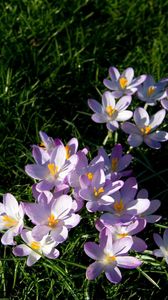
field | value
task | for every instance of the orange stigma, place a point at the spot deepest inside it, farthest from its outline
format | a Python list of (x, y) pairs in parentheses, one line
[(123, 82), (52, 222)]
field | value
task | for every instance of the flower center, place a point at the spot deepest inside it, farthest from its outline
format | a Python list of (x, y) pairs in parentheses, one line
[(89, 175), (122, 235), (114, 164), (99, 191), (151, 89), (9, 221), (53, 169), (146, 130), (35, 245), (42, 145), (67, 149), (110, 110), (110, 259), (119, 206), (123, 82), (52, 222)]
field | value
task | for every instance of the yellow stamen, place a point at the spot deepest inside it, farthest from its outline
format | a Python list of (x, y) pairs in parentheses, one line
[(122, 235), (42, 145), (110, 259), (119, 206), (151, 90), (110, 110), (99, 191), (52, 222), (9, 221), (35, 245), (89, 175), (67, 149), (53, 169), (146, 130), (114, 164), (123, 82)]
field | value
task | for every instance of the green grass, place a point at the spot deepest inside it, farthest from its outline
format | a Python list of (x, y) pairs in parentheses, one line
[(54, 56)]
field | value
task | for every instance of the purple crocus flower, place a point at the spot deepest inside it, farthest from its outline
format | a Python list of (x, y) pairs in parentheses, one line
[(54, 171), (11, 219), (162, 243), (110, 112), (35, 249), (125, 207), (144, 129), (123, 84), (97, 194), (150, 91), (109, 256), (85, 169), (120, 231), (116, 163), (55, 216), (43, 151)]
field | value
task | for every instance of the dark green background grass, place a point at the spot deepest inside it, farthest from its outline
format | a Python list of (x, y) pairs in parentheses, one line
[(54, 56)]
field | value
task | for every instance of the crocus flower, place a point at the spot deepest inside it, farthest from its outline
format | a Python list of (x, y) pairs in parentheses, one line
[(150, 91), (109, 256), (120, 231), (11, 218), (54, 171), (42, 152), (144, 129), (123, 84), (35, 249), (116, 163), (125, 206), (162, 243), (100, 190), (83, 168), (110, 112), (55, 216)]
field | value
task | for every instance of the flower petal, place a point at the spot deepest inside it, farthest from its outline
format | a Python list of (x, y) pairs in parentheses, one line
[(113, 275), (128, 262), (93, 250), (94, 270), (141, 117), (95, 106)]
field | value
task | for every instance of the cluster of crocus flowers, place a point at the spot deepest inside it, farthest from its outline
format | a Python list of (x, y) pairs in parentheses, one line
[(66, 181), (115, 102)]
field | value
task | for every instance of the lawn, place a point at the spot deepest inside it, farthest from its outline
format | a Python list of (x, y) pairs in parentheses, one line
[(54, 57)]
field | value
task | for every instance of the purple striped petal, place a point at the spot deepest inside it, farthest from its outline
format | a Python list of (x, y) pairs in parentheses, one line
[(93, 250), (113, 275), (99, 118), (123, 103), (141, 117), (151, 143), (157, 119), (95, 106), (158, 240), (122, 246), (21, 250), (135, 140), (159, 136), (94, 270), (130, 128), (128, 262)]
